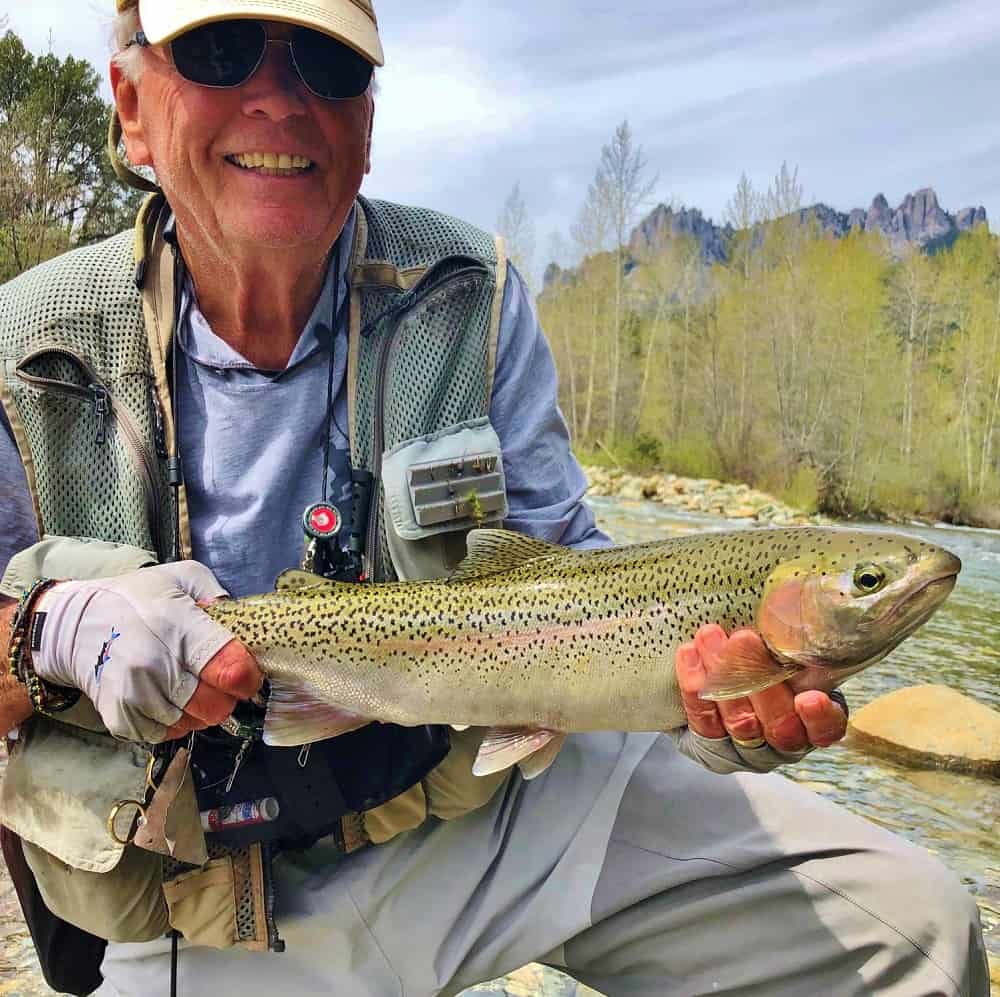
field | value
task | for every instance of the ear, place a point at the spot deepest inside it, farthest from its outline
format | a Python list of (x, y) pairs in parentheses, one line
[(371, 128), (127, 105)]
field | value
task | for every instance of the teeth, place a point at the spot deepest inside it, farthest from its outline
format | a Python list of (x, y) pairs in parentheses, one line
[(269, 161)]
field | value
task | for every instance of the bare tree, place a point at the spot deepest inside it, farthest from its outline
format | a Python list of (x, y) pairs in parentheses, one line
[(518, 230), (622, 182), (590, 235), (745, 212), (912, 302)]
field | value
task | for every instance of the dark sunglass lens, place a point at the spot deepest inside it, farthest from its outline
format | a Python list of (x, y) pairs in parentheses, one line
[(327, 67), (223, 54)]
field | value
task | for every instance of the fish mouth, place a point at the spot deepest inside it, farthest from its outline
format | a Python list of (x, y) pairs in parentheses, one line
[(930, 586)]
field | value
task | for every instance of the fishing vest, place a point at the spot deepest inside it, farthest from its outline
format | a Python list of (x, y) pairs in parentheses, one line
[(84, 347), (84, 358)]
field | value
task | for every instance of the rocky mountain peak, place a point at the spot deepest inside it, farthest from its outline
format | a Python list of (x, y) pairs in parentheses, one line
[(919, 220), (666, 222)]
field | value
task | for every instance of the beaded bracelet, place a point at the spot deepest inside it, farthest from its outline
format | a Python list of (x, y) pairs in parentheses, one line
[(45, 698)]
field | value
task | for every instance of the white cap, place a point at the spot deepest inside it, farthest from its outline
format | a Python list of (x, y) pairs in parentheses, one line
[(349, 21)]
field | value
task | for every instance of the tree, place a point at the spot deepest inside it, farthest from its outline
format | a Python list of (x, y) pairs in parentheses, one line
[(745, 212), (590, 237), (518, 231), (912, 308), (622, 185), (57, 188)]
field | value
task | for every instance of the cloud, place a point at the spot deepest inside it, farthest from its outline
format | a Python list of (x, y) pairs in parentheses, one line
[(478, 95)]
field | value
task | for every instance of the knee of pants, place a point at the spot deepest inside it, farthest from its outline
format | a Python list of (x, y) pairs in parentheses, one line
[(948, 903), (928, 906)]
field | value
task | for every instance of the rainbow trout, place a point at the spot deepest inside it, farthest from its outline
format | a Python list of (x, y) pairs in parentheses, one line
[(535, 640)]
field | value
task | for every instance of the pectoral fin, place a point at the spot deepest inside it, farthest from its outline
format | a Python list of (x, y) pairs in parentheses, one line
[(503, 747), (295, 715), (740, 675)]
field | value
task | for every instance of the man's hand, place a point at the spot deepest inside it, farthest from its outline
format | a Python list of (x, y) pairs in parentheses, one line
[(777, 716), (140, 648)]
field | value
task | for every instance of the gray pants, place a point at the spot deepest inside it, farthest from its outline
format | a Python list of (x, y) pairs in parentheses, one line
[(629, 867)]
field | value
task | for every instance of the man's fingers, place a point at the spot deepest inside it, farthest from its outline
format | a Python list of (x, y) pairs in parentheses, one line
[(824, 720), (209, 704), (233, 670), (775, 708), (703, 717), (183, 727), (205, 603)]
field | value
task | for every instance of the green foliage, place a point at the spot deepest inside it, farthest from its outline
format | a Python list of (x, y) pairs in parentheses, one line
[(57, 188), (823, 370), (803, 490), (692, 457), (639, 454)]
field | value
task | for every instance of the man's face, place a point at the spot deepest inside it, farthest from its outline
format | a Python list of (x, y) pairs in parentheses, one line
[(203, 143)]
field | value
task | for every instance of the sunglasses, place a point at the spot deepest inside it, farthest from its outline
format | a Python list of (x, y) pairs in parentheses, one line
[(227, 53)]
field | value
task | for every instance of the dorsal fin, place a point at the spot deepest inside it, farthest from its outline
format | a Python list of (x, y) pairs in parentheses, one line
[(493, 551), (294, 578)]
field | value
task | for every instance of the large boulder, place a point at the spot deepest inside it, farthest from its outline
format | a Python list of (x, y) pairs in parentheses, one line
[(931, 726)]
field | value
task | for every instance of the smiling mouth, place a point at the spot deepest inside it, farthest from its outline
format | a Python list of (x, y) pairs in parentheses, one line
[(271, 164)]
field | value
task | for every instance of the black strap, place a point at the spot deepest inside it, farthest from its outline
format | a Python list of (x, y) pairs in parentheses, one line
[(174, 936)]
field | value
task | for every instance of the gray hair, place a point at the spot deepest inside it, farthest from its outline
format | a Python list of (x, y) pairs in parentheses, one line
[(128, 58)]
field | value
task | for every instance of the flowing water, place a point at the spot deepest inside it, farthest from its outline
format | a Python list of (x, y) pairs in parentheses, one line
[(953, 815)]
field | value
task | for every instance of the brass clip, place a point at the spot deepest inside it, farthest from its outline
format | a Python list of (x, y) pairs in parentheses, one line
[(140, 807)]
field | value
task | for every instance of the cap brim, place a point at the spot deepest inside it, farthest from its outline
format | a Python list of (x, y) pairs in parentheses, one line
[(341, 19)]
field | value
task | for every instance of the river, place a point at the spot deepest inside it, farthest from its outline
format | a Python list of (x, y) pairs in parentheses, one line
[(955, 816), (952, 815)]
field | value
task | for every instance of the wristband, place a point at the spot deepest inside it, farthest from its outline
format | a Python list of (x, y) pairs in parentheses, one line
[(25, 634)]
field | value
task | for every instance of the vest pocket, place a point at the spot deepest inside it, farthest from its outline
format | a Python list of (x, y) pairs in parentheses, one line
[(84, 876), (96, 468), (438, 487), (202, 904)]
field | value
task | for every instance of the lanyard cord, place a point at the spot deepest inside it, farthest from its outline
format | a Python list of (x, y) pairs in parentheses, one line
[(328, 422), (175, 466), (175, 473)]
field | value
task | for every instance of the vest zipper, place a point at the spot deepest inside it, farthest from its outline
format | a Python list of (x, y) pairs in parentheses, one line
[(159, 432), (101, 410), (106, 408), (429, 284)]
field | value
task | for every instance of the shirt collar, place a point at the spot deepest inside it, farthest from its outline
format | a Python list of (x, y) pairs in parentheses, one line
[(200, 344)]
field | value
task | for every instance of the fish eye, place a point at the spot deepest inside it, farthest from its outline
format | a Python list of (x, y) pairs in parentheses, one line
[(869, 578)]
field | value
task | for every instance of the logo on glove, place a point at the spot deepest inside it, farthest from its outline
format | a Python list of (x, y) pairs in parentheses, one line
[(105, 656)]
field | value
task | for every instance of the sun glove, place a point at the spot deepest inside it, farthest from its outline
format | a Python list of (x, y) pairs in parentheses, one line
[(134, 645)]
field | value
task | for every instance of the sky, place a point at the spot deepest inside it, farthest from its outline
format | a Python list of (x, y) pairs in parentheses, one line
[(476, 96)]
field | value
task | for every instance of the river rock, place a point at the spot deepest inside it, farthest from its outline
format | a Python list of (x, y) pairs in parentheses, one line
[(931, 725), (532, 981), (632, 490)]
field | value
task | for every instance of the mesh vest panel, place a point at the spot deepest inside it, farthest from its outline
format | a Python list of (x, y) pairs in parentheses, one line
[(85, 305), (436, 374), (68, 324)]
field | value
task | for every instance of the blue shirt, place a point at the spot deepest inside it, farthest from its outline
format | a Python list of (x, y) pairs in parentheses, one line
[(252, 441)]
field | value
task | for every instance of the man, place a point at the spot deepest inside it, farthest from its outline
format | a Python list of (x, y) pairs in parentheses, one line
[(282, 335)]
